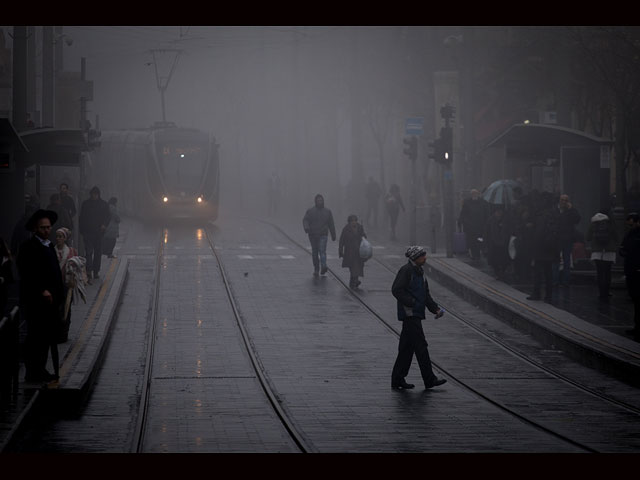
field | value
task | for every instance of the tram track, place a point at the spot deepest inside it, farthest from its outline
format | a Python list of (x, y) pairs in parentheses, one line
[(504, 345), (302, 444)]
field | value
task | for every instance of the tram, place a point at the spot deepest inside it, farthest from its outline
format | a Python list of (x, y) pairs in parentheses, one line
[(159, 173)]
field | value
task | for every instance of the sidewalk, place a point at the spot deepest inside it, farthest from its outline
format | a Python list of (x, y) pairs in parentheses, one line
[(79, 357)]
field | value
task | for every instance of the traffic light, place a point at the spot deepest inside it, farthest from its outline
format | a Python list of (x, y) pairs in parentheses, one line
[(446, 135), (438, 153), (411, 149)]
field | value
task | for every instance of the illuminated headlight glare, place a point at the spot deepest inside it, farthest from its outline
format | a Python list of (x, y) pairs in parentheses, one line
[(199, 200), (165, 199)]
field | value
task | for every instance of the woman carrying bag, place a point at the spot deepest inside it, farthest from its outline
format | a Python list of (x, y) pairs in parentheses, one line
[(349, 249)]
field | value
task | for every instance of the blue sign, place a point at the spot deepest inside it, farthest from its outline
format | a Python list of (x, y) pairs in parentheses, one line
[(414, 126)]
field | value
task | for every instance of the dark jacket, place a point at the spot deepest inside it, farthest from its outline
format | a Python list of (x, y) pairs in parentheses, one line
[(349, 246), (93, 215), (545, 235), (567, 221), (630, 251), (39, 270), (411, 290), (318, 222), (474, 215)]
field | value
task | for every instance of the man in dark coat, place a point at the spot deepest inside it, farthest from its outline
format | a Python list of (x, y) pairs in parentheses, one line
[(41, 296), (94, 218), (568, 218), (349, 249), (318, 223), (473, 217), (411, 290), (630, 251), (545, 246)]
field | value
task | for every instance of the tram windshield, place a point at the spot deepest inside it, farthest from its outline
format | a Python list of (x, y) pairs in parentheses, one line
[(183, 166)]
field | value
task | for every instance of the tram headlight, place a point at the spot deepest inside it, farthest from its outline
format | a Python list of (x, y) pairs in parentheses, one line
[(165, 199), (199, 199)]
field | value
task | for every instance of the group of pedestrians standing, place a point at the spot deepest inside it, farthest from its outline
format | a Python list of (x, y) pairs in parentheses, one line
[(51, 273)]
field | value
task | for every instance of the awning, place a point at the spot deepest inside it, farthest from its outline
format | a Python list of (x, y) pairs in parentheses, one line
[(9, 136), (54, 146), (545, 139)]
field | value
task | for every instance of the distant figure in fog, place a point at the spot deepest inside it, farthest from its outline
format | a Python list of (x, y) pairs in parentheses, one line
[(393, 203), (274, 193), (630, 251), (64, 219), (568, 218), (349, 249), (94, 218), (67, 202), (604, 243), (497, 233), (318, 223), (411, 290), (545, 246), (473, 217), (373, 192), (112, 232)]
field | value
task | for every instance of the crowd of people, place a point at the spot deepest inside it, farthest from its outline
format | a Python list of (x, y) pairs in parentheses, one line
[(45, 265), (538, 236)]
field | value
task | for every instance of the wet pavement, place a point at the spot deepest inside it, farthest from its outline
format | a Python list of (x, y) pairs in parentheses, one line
[(328, 361)]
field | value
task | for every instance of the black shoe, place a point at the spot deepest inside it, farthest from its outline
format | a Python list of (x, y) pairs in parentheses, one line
[(315, 273), (436, 382), (547, 299), (323, 270), (403, 385), (96, 276), (533, 297)]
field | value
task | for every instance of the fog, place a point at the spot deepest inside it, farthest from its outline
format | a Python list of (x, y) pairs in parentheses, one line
[(302, 102)]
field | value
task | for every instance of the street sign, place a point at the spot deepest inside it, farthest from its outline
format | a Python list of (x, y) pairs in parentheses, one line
[(414, 126)]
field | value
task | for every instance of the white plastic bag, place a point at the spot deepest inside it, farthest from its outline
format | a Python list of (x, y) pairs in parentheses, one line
[(366, 250)]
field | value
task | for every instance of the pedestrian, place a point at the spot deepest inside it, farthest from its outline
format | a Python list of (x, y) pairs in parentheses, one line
[(318, 223), (473, 217), (349, 249), (70, 206), (393, 203), (65, 253), (20, 234), (373, 192), (411, 290), (93, 220), (545, 246), (604, 242), (497, 233), (7, 276), (112, 232), (41, 294), (630, 251), (67, 200), (274, 190), (568, 218), (64, 219)]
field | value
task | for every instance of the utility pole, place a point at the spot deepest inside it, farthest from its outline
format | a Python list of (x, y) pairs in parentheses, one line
[(47, 77), (163, 82), (19, 78)]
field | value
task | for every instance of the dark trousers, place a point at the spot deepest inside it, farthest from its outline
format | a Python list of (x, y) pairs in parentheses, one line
[(603, 272), (108, 243), (542, 269), (93, 252), (633, 287), (472, 243), (412, 341), (42, 322)]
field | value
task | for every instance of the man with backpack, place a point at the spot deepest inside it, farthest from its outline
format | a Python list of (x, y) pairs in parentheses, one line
[(604, 241)]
